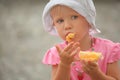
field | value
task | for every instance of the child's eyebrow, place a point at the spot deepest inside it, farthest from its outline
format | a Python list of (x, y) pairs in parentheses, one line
[(57, 18)]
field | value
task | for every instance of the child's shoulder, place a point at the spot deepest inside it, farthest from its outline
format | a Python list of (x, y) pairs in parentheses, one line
[(104, 41), (106, 45)]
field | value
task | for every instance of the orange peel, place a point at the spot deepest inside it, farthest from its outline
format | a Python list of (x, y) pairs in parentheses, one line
[(90, 56), (70, 37)]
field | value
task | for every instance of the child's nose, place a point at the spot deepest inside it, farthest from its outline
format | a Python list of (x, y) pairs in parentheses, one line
[(67, 25)]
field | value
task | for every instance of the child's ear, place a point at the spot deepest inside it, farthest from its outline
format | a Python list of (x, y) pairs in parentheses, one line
[(53, 23), (89, 26)]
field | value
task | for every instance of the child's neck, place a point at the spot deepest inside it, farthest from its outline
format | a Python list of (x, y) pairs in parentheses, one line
[(86, 43)]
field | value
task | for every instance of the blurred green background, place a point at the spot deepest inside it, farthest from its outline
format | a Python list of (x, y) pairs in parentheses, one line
[(23, 40)]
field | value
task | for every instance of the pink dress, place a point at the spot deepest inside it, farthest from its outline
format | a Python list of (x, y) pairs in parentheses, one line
[(109, 50)]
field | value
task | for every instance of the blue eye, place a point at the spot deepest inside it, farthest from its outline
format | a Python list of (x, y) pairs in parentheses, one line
[(60, 21), (74, 17)]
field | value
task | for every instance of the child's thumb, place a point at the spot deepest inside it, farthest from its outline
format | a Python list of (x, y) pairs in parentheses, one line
[(76, 59), (58, 48)]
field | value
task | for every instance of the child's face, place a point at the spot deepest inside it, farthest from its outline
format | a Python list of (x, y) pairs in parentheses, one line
[(67, 21)]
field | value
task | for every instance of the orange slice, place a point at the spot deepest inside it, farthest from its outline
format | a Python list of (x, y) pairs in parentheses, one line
[(70, 37), (90, 56)]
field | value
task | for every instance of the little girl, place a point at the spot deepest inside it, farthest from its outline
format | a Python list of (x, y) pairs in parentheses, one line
[(61, 17)]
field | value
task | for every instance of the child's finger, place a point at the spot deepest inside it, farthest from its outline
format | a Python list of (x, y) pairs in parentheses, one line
[(76, 59), (85, 69), (94, 64), (69, 46), (58, 49), (75, 45), (75, 52), (84, 63)]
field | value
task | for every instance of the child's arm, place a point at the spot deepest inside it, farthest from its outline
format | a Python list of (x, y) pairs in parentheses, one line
[(113, 70), (92, 69), (62, 70)]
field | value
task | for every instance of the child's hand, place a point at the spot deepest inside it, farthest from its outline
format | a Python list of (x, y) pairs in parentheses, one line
[(67, 54), (91, 68)]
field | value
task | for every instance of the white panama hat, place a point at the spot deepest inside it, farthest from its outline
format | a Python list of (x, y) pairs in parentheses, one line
[(85, 8)]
